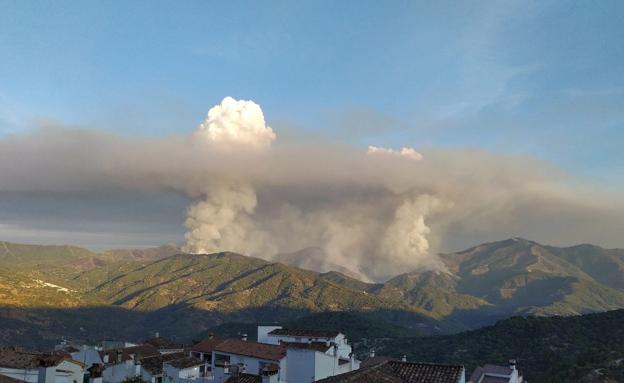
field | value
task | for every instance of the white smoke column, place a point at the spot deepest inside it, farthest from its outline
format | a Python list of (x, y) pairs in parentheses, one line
[(406, 239), (236, 123), (405, 152), (221, 221)]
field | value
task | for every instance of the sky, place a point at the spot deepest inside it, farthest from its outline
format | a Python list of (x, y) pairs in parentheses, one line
[(536, 79)]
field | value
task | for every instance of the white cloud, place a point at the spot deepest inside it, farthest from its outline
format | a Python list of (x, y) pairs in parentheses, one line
[(236, 123), (404, 152)]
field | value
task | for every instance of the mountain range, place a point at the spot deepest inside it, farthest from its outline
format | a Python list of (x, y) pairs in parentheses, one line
[(47, 292)]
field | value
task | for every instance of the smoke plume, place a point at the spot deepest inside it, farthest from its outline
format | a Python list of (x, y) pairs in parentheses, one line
[(375, 212)]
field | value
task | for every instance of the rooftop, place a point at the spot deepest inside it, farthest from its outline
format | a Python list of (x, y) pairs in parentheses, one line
[(305, 332), (164, 344), (186, 362), (316, 346), (491, 373), (253, 349), (245, 378), (6, 379), (154, 364), (207, 345), (127, 353), (401, 372), (20, 359)]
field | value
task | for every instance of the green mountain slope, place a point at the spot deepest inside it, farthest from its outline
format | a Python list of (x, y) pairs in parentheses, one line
[(183, 294), (586, 348)]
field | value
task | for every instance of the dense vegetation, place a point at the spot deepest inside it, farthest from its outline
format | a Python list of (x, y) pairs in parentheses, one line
[(47, 292), (549, 349)]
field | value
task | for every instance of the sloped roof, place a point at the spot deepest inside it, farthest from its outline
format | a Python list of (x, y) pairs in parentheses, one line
[(12, 358), (401, 372), (140, 351), (20, 359), (245, 378), (368, 362), (163, 344), (207, 345), (316, 346), (186, 362), (304, 332), (253, 349), (154, 364), (7, 379)]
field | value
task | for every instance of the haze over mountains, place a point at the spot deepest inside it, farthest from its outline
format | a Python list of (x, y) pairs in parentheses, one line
[(51, 291)]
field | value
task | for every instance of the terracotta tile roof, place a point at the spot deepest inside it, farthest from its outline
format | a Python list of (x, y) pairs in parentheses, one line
[(316, 346), (154, 364), (12, 358), (304, 332), (140, 351), (374, 360), (245, 378), (7, 379), (253, 349), (207, 345), (186, 362), (401, 372), (163, 344)]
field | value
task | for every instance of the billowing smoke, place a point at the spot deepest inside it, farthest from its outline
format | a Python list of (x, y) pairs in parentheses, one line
[(372, 212), (236, 123)]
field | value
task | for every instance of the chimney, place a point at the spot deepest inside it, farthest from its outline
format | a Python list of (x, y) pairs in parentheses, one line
[(270, 373), (404, 358), (95, 373), (105, 358), (119, 355), (372, 353), (156, 334), (244, 337), (47, 371), (512, 364)]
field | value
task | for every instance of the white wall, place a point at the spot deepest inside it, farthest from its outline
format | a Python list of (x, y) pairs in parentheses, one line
[(252, 364), (301, 366), (175, 375), (118, 372), (263, 334), (32, 375)]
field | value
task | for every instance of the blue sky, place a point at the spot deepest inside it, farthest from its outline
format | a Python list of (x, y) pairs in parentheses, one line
[(542, 78)]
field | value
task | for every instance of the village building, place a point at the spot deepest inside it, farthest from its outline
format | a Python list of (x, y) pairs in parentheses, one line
[(497, 374), (125, 362), (404, 372), (165, 346), (34, 367), (152, 367), (182, 370), (241, 356), (204, 350)]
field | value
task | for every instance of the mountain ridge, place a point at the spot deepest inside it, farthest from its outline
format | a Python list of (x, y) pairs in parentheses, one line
[(482, 284)]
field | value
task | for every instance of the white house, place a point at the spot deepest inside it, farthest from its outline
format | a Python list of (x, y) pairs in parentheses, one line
[(203, 351), (493, 373), (40, 368), (123, 363), (249, 358), (184, 370), (311, 354)]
